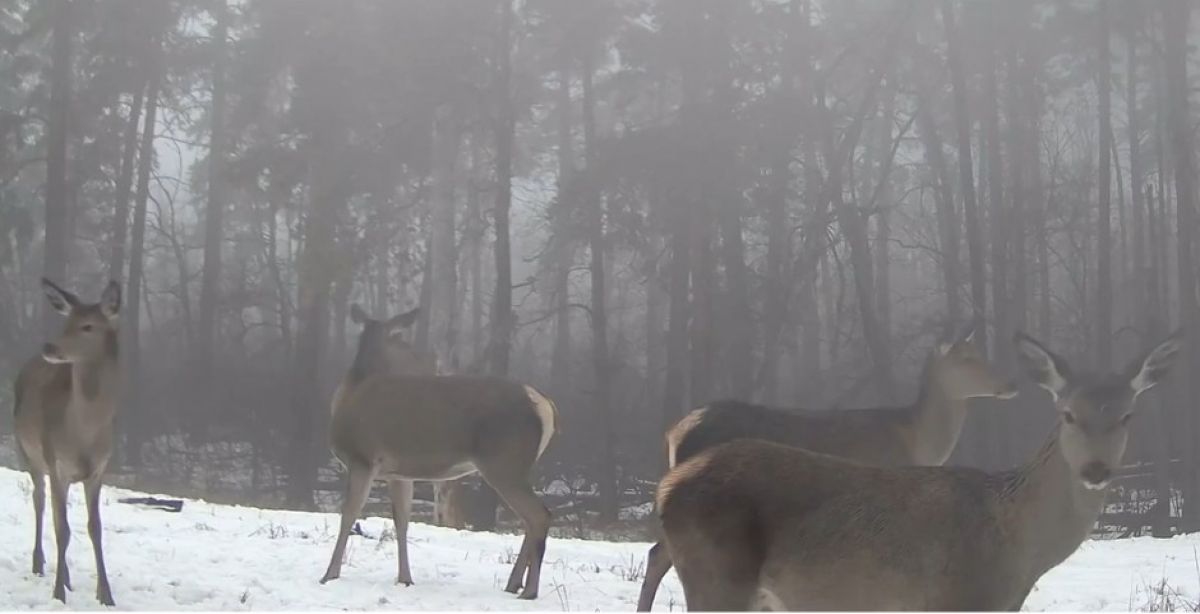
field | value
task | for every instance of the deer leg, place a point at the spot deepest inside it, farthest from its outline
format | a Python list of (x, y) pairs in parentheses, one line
[(62, 535), (39, 509), (514, 488), (401, 491), (358, 486), (658, 563), (91, 489)]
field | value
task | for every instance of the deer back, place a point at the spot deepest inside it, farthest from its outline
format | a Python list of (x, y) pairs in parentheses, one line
[(421, 425), (865, 435)]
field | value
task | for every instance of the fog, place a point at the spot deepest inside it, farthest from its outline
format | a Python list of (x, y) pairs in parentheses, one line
[(637, 206)]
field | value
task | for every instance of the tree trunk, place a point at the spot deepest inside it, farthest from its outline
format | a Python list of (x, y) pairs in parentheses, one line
[(674, 392), (277, 201), (853, 228), (776, 287), (610, 493), (998, 220), (738, 326), (880, 207), (703, 342), (446, 139), (962, 124), (1138, 238), (655, 324), (475, 235), (501, 341), (120, 222), (136, 431), (560, 362), (214, 227), (949, 224), (58, 242), (1020, 78), (421, 337), (1104, 291), (815, 250), (1175, 20)]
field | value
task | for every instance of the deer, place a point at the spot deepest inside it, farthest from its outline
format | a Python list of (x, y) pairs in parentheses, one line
[(401, 357), (402, 427), (66, 399), (923, 433), (753, 524)]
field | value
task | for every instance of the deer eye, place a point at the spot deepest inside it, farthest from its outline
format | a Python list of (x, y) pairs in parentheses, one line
[(87, 328), (1068, 417)]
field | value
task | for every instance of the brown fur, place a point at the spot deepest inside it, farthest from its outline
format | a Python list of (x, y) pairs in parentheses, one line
[(753, 523), (64, 422), (421, 427), (923, 433)]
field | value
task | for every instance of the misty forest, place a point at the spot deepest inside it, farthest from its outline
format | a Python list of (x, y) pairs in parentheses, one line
[(638, 207)]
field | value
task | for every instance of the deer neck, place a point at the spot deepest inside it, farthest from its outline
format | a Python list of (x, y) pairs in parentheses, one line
[(94, 380), (935, 420), (1049, 509), (369, 361), (364, 365)]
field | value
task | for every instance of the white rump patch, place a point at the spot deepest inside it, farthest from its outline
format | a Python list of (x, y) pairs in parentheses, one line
[(547, 413)]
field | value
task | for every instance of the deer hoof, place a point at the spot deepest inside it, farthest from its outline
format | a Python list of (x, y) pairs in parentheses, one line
[(60, 594), (528, 594), (104, 596), (404, 581), (327, 578)]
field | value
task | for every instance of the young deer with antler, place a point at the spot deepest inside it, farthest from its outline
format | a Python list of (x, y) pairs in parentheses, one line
[(754, 525), (923, 433), (66, 399), (434, 428)]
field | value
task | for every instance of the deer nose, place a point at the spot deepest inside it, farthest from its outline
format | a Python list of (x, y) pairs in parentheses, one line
[(1096, 475), (51, 353)]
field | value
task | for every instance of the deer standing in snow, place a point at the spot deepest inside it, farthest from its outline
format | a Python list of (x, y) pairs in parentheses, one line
[(403, 428), (756, 525), (923, 433), (66, 399)]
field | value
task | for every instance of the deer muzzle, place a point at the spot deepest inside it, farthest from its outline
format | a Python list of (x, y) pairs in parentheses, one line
[(52, 354), (1096, 475)]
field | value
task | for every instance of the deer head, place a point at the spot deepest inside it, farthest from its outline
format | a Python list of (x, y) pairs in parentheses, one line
[(966, 372), (1094, 410), (91, 328), (382, 347)]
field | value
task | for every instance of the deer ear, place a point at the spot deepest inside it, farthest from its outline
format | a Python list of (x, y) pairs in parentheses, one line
[(357, 315), (1144, 374), (61, 300), (405, 319), (110, 300), (1044, 367)]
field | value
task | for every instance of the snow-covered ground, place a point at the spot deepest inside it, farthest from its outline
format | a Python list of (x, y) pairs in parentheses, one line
[(216, 557)]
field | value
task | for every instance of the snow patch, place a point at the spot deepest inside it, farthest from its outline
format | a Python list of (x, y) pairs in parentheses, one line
[(219, 557)]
